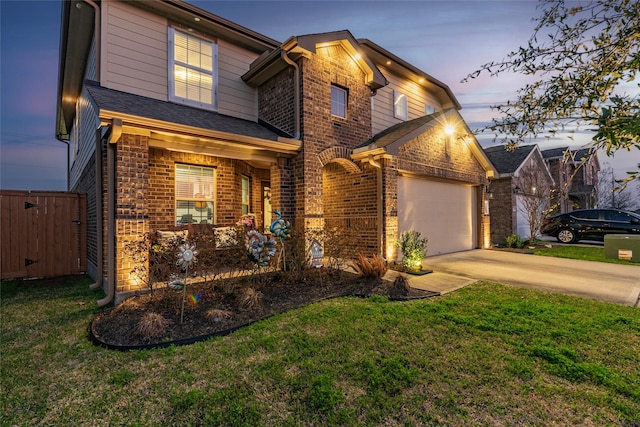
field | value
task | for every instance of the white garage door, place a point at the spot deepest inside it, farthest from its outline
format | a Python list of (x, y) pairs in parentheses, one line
[(443, 212)]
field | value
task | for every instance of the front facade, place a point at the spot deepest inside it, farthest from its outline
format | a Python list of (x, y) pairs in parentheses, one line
[(520, 193), (175, 116), (576, 175)]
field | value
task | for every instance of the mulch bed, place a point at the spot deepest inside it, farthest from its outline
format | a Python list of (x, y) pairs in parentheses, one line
[(119, 327)]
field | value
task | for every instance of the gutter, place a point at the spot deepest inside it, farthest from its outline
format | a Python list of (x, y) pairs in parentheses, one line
[(99, 230), (113, 137)]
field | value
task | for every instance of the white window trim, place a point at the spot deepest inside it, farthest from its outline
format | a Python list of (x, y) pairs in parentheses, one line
[(242, 203), (214, 73), (196, 199), (400, 99), (346, 100)]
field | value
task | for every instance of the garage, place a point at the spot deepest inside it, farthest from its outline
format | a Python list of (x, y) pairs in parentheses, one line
[(445, 212)]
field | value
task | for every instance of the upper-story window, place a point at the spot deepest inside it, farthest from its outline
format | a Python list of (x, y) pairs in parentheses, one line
[(192, 70), (338, 101), (429, 109), (400, 107)]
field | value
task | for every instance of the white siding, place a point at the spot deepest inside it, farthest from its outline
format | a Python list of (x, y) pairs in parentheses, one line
[(382, 114), (235, 97), (135, 49), (134, 56), (90, 72), (83, 138)]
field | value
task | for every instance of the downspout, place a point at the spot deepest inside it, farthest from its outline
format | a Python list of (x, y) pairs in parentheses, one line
[(99, 207), (296, 92), (379, 207), (114, 136)]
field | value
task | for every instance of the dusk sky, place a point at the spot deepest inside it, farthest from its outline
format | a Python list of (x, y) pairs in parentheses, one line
[(446, 39)]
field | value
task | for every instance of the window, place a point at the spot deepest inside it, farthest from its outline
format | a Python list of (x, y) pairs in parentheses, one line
[(195, 195), (400, 110), (338, 101), (245, 195), (192, 70), (429, 109)]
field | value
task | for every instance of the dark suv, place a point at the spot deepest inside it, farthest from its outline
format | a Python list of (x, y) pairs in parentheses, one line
[(590, 224)]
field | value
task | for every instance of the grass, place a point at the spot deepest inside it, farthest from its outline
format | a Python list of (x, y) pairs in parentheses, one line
[(589, 253), (487, 355)]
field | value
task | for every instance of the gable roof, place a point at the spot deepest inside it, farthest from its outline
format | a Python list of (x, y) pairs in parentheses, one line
[(271, 63), (580, 155), (390, 140), (407, 71), (508, 161)]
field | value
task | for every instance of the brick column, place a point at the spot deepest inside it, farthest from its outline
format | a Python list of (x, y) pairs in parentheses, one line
[(132, 216)]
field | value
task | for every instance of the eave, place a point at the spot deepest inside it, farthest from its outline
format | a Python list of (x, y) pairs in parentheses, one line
[(409, 72), (176, 137), (77, 24), (271, 63)]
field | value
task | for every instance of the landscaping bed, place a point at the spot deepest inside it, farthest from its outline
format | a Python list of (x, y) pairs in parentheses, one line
[(153, 319)]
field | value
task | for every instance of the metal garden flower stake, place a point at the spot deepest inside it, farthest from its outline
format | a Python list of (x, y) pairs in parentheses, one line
[(186, 255)]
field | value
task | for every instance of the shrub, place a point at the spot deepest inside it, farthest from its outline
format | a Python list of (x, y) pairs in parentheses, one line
[(152, 325), (216, 315), (370, 267), (251, 300), (514, 241), (413, 248), (400, 287)]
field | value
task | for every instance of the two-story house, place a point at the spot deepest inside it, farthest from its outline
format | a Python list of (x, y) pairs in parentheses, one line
[(175, 116), (520, 194), (576, 176)]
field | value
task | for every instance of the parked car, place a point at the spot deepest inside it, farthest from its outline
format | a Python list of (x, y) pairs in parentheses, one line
[(590, 224)]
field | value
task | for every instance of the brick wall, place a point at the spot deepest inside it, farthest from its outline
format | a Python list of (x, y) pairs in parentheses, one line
[(276, 101), (87, 185), (435, 155), (502, 208), (350, 201), (321, 130), (161, 194)]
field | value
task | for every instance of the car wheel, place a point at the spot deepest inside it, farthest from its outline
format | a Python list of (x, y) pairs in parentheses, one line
[(566, 236)]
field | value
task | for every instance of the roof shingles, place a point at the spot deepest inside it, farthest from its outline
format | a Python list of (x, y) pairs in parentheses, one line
[(140, 106)]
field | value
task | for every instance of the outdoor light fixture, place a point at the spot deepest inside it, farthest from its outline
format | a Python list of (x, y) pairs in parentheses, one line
[(448, 129)]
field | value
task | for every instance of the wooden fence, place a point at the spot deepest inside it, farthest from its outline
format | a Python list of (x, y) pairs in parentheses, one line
[(43, 234)]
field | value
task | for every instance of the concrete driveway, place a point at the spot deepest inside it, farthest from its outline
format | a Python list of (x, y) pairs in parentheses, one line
[(614, 283)]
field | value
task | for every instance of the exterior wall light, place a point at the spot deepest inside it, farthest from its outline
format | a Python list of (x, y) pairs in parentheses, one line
[(449, 129)]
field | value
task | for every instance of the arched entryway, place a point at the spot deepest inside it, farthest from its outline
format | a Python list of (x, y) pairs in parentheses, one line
[(350, 204)]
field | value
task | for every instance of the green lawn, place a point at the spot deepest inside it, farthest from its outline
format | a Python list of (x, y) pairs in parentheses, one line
[(484, 355), (589, 253)]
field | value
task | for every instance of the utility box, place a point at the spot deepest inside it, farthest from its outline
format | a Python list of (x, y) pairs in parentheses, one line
[(622, 246)]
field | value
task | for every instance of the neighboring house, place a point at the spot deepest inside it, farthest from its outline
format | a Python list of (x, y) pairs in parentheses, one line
[(519, 194), (174, 115), (576, 175)]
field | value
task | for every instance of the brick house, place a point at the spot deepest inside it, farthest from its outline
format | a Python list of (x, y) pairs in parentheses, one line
[(522, 179), (174, 116), (576, 175)]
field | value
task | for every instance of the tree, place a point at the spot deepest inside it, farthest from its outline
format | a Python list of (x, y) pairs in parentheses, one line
[(612, 195), (581, 55), (533, 196)]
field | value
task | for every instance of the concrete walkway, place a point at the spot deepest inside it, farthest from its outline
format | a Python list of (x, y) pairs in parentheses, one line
[(609, 282)]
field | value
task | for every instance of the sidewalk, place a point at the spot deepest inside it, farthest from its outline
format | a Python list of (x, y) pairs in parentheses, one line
[(435, 282)]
